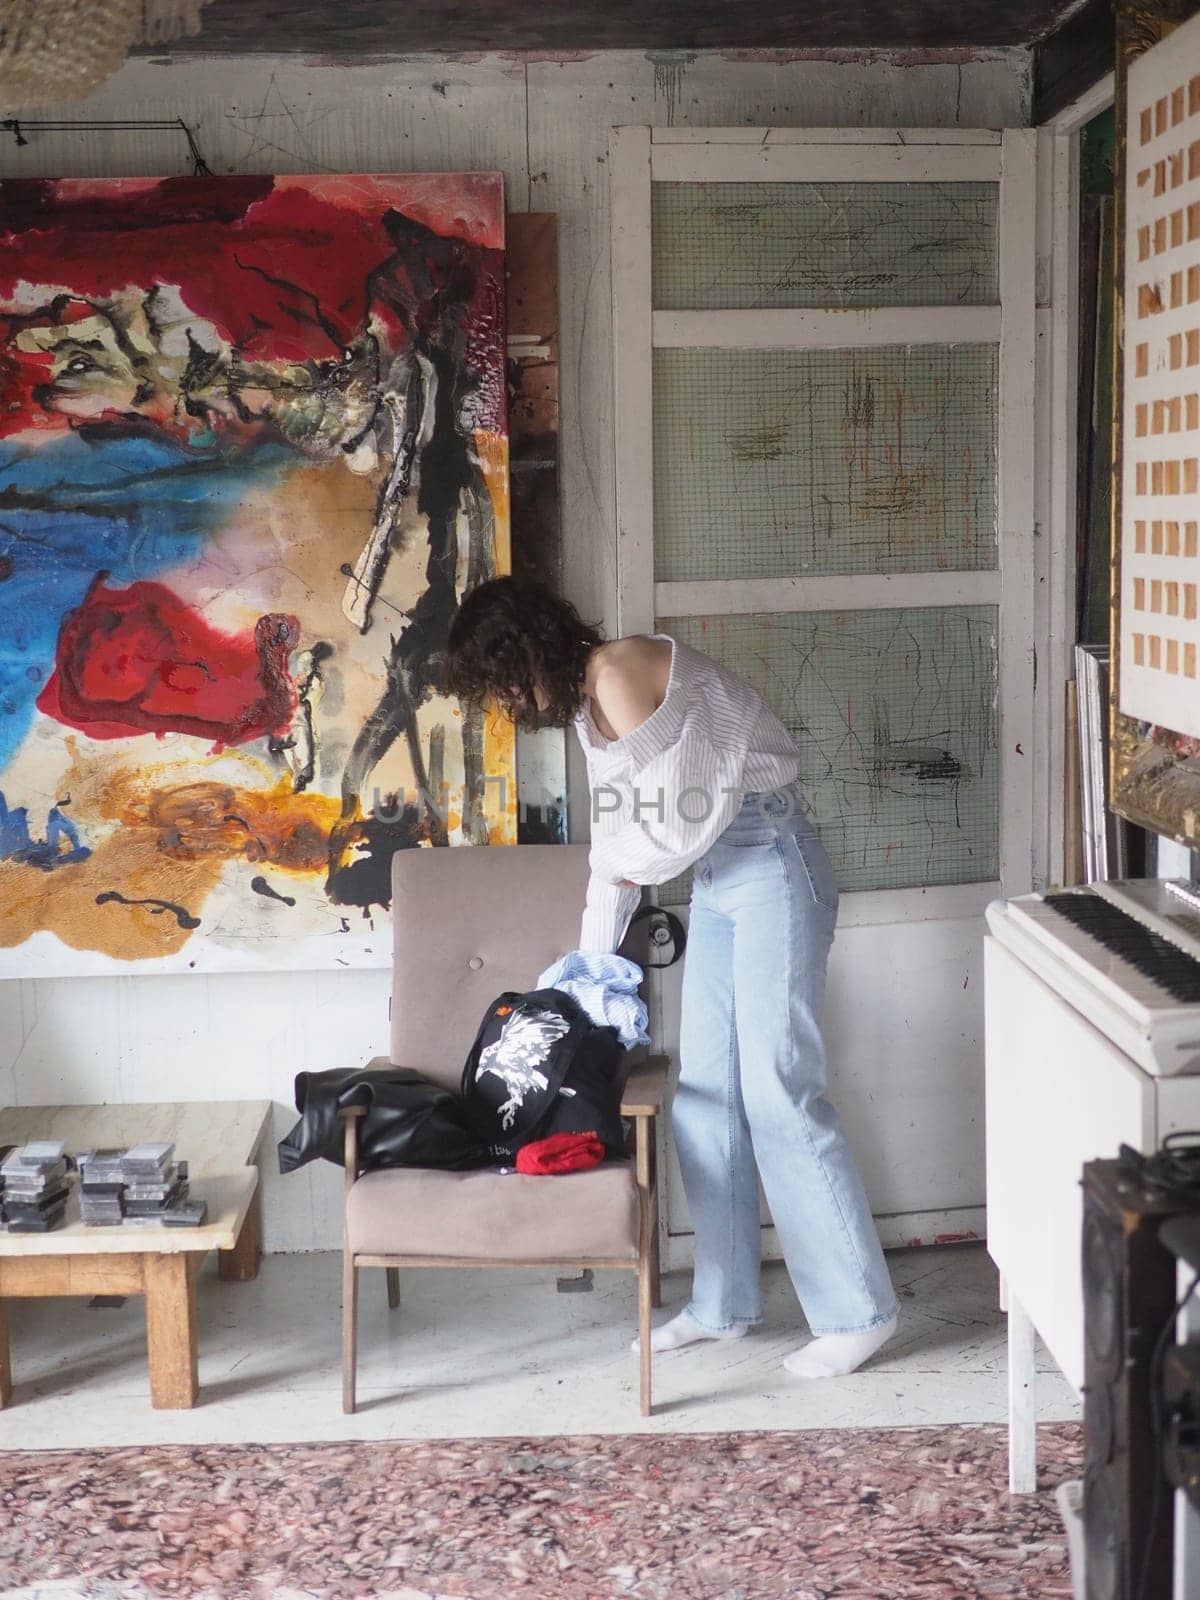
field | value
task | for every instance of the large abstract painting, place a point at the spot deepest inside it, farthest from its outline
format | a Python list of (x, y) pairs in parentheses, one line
[(252, 453)]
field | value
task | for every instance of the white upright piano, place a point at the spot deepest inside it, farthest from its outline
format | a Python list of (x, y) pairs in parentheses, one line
[(1092, 1040)]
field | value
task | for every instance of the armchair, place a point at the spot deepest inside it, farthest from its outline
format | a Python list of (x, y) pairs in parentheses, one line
[(470, 923)]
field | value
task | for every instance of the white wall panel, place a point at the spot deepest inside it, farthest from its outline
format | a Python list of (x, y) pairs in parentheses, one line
[(910, 1100)]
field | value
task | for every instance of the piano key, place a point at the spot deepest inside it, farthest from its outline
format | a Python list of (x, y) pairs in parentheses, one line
[(1114, 952)]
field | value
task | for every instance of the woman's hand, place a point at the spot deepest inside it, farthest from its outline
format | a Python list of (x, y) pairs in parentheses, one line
[(624, 883)]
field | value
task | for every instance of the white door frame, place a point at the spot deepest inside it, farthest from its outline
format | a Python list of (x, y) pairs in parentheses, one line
[(1057, 458), (639, 156)]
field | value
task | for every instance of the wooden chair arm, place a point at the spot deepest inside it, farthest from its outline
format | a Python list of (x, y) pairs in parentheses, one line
[(646, 1088), (350, 1117)]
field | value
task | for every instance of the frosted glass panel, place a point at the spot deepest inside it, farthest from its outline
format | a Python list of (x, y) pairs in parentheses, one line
[(779, 462), (894, 715), (740, 245)]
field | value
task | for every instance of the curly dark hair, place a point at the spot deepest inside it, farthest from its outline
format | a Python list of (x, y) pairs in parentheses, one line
[(511, 636)]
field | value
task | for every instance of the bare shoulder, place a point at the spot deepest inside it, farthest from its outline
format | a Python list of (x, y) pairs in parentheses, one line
[(637, 653), (637, 662), (629, 680)]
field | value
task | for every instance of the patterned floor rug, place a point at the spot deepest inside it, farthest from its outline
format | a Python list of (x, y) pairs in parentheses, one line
[(897, 1514)]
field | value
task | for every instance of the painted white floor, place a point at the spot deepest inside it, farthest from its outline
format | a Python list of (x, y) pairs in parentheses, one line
[(476, 1353)]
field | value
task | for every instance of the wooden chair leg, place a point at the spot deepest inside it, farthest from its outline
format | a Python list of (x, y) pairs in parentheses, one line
[(393, 1287), (655, 1264), (349, 1330), (647, 1242), (5, 1361), (350, 1116), (644, 1297)]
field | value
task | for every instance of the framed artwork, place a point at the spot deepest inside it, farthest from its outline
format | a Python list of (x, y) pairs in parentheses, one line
[(1155, 748), (253, 451)]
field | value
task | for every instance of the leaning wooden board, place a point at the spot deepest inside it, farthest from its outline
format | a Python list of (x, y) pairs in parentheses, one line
[(220, 1142)]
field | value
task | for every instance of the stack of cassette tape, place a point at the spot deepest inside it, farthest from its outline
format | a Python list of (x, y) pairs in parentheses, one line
[(101, 1186), (36, 1184), (156, 1187), (153, 1181)]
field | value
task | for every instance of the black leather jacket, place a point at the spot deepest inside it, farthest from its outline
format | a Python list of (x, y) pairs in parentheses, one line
[(410, 1122)]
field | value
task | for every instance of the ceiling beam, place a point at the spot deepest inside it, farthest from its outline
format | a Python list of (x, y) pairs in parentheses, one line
[(1069, 61), (372, 28)]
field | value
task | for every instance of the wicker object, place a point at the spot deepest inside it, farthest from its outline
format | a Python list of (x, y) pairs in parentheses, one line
[(53, 50)]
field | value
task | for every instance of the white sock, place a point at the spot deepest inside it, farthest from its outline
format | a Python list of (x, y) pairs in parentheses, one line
[(833, 1355), (682, 1330)]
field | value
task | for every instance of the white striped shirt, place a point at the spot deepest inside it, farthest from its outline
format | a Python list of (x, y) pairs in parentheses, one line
[(663, 792)]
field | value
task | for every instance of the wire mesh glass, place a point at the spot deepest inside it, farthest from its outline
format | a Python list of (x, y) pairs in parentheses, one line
[(894, 716), (739, 246), (776, 462)]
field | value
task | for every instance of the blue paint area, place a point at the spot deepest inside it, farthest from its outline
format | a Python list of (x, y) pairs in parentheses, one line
[(16, 843), (71, 507)]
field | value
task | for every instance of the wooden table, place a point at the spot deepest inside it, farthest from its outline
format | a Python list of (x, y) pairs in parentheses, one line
[(221, 1142)]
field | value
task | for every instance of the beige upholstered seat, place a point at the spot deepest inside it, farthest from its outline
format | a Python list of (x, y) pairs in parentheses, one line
[(505, 1218), (469, 924)]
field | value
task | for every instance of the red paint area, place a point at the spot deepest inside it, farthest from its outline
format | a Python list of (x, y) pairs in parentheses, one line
[(286, 269), (139, 660)]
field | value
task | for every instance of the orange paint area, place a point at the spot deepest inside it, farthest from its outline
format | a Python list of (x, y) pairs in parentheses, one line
[(499, 734), (492, 451), (196, 820), (167, 851)]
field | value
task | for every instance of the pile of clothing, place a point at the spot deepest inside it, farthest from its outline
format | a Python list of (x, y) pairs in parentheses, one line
[(540, 1088)]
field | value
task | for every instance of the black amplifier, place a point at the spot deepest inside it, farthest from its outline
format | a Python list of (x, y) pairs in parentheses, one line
[(1129, 1297), (1180, 1397)]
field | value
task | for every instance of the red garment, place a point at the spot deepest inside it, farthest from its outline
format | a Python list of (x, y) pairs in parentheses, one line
[(561, 1152)]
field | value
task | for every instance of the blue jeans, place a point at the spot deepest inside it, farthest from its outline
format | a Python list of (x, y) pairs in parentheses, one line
[(752, 1083)]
